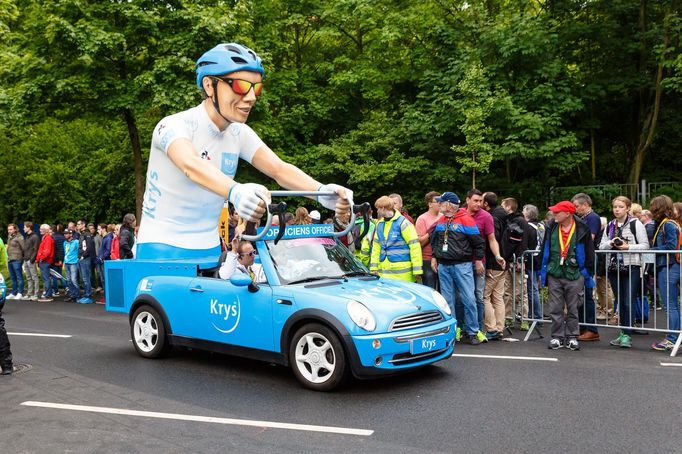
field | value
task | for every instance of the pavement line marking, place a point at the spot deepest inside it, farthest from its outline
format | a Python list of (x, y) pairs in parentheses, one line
[(523, 358), (671, 364), (40, 335), (181, 417)]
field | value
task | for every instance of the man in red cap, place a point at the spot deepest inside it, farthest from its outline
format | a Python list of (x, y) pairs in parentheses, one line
[(567, 257)]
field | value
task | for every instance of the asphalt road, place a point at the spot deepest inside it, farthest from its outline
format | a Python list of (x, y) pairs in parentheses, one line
[(598, 400)]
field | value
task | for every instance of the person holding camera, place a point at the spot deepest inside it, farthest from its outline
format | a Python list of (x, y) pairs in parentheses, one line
[(624, 233)]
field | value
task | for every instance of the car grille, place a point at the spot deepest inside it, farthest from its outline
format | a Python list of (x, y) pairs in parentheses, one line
[(416, 320), (402, 359)]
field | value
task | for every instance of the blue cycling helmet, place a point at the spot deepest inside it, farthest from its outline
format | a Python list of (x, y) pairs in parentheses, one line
[(227, 58)]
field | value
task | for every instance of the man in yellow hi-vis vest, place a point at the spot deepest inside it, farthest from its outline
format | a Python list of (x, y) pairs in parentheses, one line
[(396, 253)]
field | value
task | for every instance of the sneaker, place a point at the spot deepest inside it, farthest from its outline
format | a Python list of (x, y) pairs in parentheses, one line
[(11, 297), (85, 301), (572, 344), (509, 323), (19, 296), (45, 299), (623, 340), (601, 315), (555, 344), (458, 335), (663, 345), (475, 339), (493, 335), (34, 298), (524, 326), (7, 369)]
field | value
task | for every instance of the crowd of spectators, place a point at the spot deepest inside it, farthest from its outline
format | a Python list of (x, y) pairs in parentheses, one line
[(490, 259), (66, 261)]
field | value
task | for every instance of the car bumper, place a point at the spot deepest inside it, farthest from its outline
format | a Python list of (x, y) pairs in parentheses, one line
[(393, 353)]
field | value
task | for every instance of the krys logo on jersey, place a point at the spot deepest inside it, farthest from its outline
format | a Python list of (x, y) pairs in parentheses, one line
[(225, 315)]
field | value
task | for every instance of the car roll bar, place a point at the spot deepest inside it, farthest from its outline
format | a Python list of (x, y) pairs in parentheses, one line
[(280, 208)]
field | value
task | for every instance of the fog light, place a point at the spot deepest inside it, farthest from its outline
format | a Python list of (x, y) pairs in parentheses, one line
[(376, 343), (377, 361)]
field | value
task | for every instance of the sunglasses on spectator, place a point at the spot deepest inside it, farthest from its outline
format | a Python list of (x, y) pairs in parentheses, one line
[(241, 86), (252, 253)]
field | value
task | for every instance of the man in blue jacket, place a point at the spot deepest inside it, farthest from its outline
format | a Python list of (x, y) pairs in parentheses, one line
[(567, 257)]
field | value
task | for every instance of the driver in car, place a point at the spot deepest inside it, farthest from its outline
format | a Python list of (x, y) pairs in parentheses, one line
[(194, 157), (240, 258)]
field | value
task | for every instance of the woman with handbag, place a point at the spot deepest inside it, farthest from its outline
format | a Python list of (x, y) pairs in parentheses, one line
[(624, 271)]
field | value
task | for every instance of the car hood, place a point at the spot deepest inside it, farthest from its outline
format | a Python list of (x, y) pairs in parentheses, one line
[(386, 298)]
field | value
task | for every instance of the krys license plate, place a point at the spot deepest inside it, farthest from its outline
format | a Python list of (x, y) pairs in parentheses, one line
[(427, 344)]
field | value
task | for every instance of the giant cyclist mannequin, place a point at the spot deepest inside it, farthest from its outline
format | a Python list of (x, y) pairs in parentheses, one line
[(194, 157)]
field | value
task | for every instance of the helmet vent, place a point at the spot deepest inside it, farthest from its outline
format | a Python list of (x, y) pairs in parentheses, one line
[(205, 63), (239, 60), (234, 49)]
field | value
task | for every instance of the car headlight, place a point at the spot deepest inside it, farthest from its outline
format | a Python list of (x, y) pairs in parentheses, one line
[(361, 316), (441, 303)]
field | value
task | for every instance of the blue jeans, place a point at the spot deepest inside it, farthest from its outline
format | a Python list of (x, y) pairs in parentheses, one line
[(72, 279), (84, 268), (55, 281), (479, 286), (667, 285), (624, 286), (16, 275), (459, 279), (47, 279), (534, 295)]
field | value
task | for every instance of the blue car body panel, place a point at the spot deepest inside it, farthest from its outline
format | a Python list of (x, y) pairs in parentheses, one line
[(202, 310)]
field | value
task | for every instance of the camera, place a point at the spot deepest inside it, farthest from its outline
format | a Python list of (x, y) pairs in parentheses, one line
[(618, 242)]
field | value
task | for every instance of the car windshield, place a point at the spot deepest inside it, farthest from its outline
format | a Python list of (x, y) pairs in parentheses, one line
[(309, 259)]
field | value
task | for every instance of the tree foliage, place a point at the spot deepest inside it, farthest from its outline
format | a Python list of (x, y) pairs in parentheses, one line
[(382, 95)]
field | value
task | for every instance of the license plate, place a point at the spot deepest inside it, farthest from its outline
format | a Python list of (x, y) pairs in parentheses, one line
[(427, 344)]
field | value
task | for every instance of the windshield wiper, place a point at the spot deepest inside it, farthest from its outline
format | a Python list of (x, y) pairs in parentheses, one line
[(314, 278), (359, 273)]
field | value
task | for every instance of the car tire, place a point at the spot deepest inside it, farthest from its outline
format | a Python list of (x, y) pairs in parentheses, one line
[(148, 332), (317, 357)]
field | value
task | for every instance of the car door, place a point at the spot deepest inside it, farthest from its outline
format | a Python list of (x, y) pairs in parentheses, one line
[(219, 311)]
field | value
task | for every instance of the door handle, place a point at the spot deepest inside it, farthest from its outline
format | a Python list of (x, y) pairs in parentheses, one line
[(284, 302), (196, 289)]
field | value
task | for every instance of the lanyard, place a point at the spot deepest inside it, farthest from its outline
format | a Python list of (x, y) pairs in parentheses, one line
[(564, 247)]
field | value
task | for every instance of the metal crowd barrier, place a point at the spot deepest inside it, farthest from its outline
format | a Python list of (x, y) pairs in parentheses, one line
[(647, 311)]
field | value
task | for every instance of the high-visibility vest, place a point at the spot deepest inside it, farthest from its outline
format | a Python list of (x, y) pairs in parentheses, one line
[(394, 247), (396, 252)]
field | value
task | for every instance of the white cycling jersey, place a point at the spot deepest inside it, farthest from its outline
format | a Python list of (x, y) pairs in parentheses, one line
[(175, 210)]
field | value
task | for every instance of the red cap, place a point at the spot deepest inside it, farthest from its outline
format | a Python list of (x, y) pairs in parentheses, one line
[(563, 206)]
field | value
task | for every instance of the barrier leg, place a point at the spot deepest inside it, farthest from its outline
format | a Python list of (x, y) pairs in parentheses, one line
[(534, 326), (677, 346)]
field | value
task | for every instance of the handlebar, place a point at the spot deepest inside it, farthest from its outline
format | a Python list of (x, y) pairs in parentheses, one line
[(281, 207)]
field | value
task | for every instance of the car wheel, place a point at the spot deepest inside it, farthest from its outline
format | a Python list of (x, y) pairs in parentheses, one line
[(317, 357), (148, 332)]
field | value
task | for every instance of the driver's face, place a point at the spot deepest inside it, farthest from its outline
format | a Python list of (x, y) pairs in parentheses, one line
[(246, 256)]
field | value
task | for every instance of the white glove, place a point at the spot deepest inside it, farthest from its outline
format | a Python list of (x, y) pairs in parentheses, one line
[(329, 201), (246, 197)]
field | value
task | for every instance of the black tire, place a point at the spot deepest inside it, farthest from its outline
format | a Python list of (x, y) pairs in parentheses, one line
[(331, 353), (148, 344)]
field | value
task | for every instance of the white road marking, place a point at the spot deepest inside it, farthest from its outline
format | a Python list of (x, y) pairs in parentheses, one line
[(522, 358), (64, 336), (210, 419), (671, 364)]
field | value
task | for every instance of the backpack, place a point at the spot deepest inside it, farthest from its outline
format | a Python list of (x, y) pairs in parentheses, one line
[(535, 258), (679, 236)]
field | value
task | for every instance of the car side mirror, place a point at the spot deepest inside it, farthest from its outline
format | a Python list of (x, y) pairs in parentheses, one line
[(240, 279)]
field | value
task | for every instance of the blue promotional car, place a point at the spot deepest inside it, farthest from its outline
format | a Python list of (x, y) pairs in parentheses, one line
[(312, 305)]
